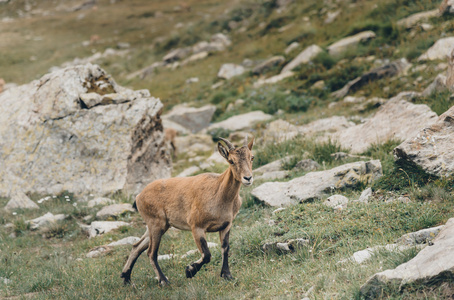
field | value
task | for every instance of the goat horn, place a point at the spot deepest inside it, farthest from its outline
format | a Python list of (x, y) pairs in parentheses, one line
[(245, 141), (230, 145)]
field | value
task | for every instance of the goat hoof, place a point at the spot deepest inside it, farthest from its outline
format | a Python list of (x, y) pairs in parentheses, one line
[(126, 278), (190, 271), (227, 276)]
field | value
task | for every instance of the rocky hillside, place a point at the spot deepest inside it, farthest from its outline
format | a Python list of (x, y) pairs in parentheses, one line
[(350, 104)]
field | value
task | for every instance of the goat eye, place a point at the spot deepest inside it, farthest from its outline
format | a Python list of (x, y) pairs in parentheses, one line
[(252, 158), (231, 162)]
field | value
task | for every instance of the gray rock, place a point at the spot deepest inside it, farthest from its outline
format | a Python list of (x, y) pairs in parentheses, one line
[(268, 64), (290, 246), (363, 255), (97, 252), (388, 70), (114, 211), (307, 165), (336, 200), (438, 85), (313, 185), (291, 47), (193, 119), (365, 195), (320, 126), (273, 175), (242, 122), (395, 119), (273, 79), (20, 200), (51, 143), (176, 55), (189, 171), (431, 147), (228, 71), (279, 131), (347, 43), (99, 201), (130, 240), (422, 236), (272, 166), (5, 280), (303, 58), (440, 50), (414, 19), (100, 227), (45, 220), (433, 264)]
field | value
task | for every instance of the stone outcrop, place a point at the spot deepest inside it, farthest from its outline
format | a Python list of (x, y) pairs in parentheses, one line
[(388, 70), (303, 58), (191, 118), (268, 64), (228, 71), (52, 142), (414, 19), (432, 265), (431, 146), (349, 42), (313, 185), (440, 50), (100, 227), (46, 219), (273, 79), (20, 201), (114, 211), (396, 119)]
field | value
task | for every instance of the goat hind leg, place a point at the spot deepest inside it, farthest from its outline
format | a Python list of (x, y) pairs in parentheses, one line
[(224, 237), (202, 245), (137, 249), (156, 233)]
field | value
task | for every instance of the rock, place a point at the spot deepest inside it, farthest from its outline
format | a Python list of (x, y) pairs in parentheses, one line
[(383, 126), (228, 71), (195, 57), (290, 246), (336, 200), (193, 119), (114, 211), (176, 55), (130, 240), (440, 50), (165, 257), (422, 236), (303, 58), (446, 7), (431, 145), (313, 185), (46, 219), (241, 122), (2, 84), (100, 227), (332, 124), (331, 16), (307, 165), (273, 175), (291, 47), (388, 70), (273, 79), (414, 19), (189, 171), (432, 265), (99, 201), (66, 147), (167, 124), (450, 74), (272, 166), (145, 72), (194, 142), (218, 42), (363, 255), (438, 85), (97, 252), (347, 43), (20, 201), (268, 64), (279, 131), (278, 210), (319, 85), (339, 155), (365, 195)]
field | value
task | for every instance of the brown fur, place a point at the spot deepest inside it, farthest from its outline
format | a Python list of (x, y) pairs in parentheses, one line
[(204, 203)]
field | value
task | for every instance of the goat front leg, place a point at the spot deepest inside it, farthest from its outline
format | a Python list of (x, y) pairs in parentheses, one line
[(224, 237), (202, 245), (137, 249)]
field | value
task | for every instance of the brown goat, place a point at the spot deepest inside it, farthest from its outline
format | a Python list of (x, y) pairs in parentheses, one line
[(204, 203)]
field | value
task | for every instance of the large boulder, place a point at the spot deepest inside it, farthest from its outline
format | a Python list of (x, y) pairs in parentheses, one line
[(303, 58), (241, 122), (193, 119), (313, 185), (349, 42), (396, 119), (440, 50), (114, 211), (432, 265), (414, 19), (431, 146), (52, 142)]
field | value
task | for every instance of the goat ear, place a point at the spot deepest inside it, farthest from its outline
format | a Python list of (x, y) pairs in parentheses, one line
[(251, 143), (224, 152)]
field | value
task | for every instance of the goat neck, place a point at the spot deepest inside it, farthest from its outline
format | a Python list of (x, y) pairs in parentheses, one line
[(229, 187)]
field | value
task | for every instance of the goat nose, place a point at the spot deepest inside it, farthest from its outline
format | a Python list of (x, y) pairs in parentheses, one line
[(248, 178)]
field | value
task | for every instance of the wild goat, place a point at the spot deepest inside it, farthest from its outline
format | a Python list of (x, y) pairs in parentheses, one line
[(204, 203)]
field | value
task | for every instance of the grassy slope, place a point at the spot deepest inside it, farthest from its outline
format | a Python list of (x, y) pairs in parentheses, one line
[(49, 266)]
